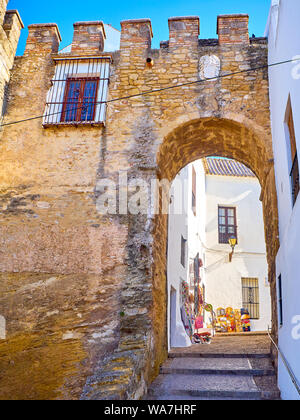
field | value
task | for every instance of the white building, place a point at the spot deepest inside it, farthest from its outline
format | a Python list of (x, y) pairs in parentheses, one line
[(200, 193), (233, 209), (284, 44), (184, 244)]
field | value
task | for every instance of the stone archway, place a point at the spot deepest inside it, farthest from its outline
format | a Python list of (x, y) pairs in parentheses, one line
[(143, 327), (195, 140)]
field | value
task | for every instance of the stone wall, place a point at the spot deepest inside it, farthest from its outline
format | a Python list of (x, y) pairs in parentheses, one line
[(10, 28), (88, 37), (84, 295), (3, 6)]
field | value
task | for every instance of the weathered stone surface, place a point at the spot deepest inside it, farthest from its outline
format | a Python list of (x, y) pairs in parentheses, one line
[(10, 28), (88, 37), (89, 291)]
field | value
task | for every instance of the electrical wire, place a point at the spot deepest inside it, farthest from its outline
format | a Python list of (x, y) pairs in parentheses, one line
[(149, 92)]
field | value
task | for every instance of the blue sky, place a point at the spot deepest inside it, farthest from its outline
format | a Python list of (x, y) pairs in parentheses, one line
[(66, 12)]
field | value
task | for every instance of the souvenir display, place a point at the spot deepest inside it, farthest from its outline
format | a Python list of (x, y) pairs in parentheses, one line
[(238, 320), (221, 322), (230, 320), (246, 322), (203, 338), (198, 300), (186, 309), (199, 323)]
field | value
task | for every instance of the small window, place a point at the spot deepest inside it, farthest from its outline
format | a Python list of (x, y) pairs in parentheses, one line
[(183, 251), (227, 224), (80, 100), (78, 92), (294, 165), (194, 191), (280, 301), (197, 268), (250, 290)]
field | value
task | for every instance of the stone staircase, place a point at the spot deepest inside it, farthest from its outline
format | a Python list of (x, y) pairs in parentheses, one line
[(197, 375)]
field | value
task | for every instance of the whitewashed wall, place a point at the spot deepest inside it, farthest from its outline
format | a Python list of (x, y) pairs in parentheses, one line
[(283, 31), (178, 227), (192, 228), (224, 279), (196, 223)]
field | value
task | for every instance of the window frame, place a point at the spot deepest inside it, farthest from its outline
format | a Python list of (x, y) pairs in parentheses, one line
[(252, 307), (83, 80), (183, 251), (226, 234), (293, 154)]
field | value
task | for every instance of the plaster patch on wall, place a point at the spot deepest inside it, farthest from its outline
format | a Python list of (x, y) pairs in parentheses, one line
[(38, 284), (209, 66)]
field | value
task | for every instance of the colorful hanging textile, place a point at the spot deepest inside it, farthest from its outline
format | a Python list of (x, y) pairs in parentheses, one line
[(187, 319), (198, 300), (184, 292), (199, 323), (186, 309)]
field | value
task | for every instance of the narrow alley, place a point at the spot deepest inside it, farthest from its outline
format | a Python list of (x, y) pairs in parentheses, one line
[(233, 366)]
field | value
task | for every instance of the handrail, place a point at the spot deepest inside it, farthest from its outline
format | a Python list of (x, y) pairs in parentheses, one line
[(290, 372)]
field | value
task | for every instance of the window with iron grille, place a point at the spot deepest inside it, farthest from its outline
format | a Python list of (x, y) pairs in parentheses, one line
[(227, 224), (294, 165), (250, 290), (79, 92)]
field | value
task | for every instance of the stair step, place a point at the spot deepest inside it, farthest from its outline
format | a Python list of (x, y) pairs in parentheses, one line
[(241, 372), (217, 395), (172, 397), (213, 366), (179, 355), (210, 387)]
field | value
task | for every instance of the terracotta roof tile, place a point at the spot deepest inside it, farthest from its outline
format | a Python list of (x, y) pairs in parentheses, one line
[(226, 167)]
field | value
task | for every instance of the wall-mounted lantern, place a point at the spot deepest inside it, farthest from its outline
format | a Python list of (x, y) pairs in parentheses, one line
[(232, 242)]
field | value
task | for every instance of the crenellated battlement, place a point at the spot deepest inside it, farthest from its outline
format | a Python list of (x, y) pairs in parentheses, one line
[(43, 37), (137, 34), (3, 6), (88, 37), (10, 28), (183, 31), (233, 29)]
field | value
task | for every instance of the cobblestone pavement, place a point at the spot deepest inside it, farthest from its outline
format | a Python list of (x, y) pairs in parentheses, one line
[(243, 344)]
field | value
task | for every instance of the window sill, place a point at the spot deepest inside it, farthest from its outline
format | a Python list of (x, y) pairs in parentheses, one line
[(75, 124)]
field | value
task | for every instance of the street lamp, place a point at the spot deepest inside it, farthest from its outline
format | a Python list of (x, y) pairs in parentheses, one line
[(232, 242)]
